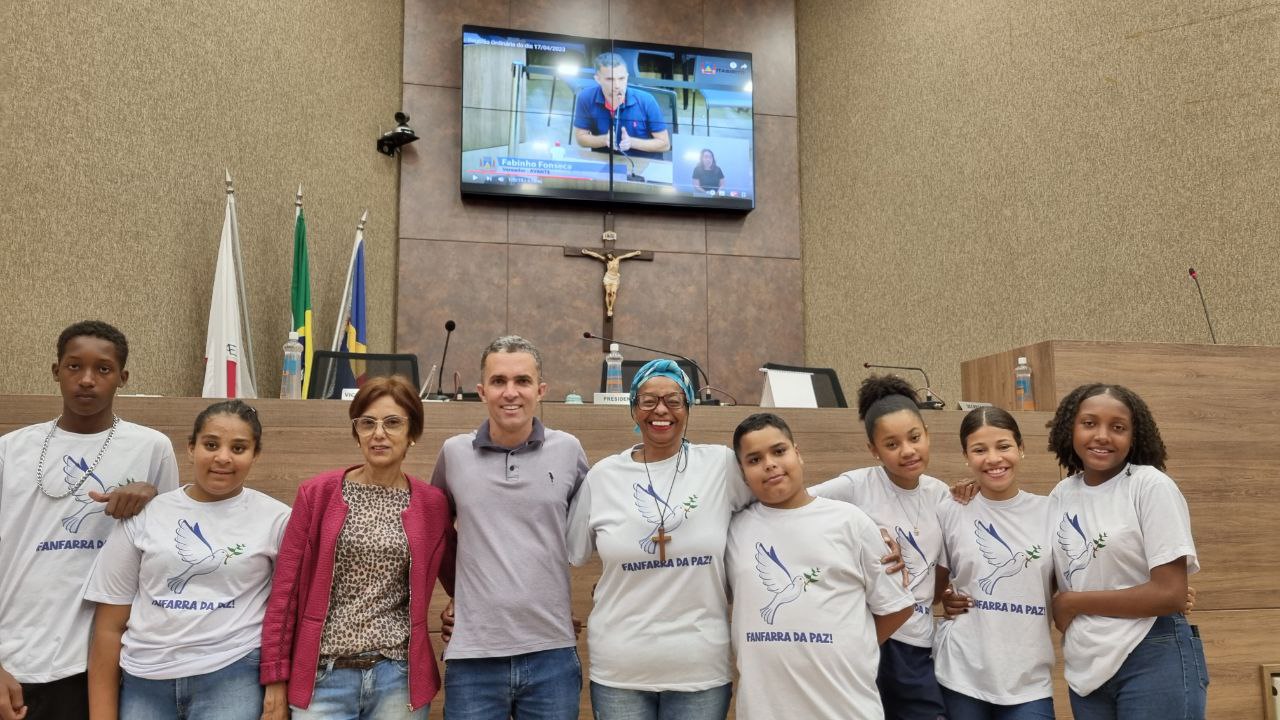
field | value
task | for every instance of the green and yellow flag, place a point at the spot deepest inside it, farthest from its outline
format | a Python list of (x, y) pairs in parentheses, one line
[(301, 297)]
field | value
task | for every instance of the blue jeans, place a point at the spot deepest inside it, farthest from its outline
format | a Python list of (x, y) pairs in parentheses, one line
[(230, 693), (379, 693), (545, 685), (964, 707), (1164, 678), (610, 703)]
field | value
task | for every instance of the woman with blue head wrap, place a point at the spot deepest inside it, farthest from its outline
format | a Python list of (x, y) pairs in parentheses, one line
[(658, 514)]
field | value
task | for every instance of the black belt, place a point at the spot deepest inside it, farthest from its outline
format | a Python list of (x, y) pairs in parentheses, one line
[(363, 661)]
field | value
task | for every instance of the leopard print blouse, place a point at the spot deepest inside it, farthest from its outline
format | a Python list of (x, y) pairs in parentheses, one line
[(369, 604)]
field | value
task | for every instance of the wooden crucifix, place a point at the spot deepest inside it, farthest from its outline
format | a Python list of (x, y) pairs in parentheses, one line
[(612, 258), (661, 540)]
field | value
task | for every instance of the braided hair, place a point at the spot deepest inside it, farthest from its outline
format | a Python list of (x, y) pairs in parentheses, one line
[(1147, 447)]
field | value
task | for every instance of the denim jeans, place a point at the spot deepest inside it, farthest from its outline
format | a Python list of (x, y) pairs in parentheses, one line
[(1164, 678), (610, 703), (230, 693), (964, 707), (545, 685), (378, 693)]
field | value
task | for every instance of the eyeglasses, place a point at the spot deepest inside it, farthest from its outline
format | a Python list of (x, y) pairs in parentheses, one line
[(674, 401), (391, 424)]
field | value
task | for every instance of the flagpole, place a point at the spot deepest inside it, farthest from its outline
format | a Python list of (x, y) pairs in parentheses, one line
[(297, 210), (240, 287), (331, 371), (346, 289)]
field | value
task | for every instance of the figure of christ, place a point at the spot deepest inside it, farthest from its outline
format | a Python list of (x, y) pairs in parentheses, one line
[(612, 274)]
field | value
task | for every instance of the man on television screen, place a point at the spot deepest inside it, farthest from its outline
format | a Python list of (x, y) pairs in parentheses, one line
[(610, 114)]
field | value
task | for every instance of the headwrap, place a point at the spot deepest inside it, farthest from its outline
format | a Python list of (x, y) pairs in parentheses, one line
[(661, 367)]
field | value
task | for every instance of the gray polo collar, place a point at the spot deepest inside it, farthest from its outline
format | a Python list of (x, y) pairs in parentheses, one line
[(483, 441)]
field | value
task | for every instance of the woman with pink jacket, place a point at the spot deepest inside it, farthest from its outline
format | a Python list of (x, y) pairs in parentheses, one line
[(345, 633)]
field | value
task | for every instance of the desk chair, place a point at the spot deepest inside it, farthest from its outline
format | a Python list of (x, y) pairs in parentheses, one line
[(332, 371), (717, 94)]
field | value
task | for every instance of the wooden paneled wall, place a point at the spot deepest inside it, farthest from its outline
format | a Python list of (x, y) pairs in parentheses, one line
[(1228, 484)]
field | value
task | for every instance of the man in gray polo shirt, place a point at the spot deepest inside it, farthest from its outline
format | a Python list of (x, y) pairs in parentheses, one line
[(513, 652)]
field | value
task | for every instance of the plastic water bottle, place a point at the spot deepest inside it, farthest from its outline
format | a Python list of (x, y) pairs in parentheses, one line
[(291, 376), (1023, 398), (613, 370)]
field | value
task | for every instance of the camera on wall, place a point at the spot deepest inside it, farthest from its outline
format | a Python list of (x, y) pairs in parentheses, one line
[(392, 140)]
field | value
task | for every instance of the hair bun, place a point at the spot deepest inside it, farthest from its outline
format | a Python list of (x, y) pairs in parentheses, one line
[(878, 387)]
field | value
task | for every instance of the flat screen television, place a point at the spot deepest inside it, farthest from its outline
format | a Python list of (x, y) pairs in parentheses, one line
[(588, 119)]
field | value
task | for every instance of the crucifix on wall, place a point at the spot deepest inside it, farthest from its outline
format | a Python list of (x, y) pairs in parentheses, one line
[(612, 257)]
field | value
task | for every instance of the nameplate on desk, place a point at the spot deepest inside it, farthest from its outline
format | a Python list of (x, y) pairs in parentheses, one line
[(349, 393), (611, 399)]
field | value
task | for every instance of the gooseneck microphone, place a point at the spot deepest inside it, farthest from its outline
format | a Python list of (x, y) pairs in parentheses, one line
[(632, 175), (1196, 279), (706, 398), (449, 327), (930, 402)]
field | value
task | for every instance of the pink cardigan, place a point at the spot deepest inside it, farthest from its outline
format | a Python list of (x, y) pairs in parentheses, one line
[(299, 602)]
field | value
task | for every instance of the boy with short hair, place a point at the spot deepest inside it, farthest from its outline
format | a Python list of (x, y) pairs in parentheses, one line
[(811, 600), (59, 482)]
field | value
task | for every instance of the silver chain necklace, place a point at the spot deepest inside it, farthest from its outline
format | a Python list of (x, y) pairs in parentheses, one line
[(915, 519), (44, 450)]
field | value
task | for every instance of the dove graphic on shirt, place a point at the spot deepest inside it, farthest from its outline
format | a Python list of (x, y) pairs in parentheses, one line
[(1080, 550), (779, 581), (199, 555), (1004, 561), (657, 512), (913, 558), (74, 471)]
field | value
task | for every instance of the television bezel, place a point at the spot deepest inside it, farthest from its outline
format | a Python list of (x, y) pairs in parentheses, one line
[(608, 198)]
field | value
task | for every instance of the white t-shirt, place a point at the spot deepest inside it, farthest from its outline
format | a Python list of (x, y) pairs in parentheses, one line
[(999, 554), (1108, 537), (911, 518), (659, 626), (806, 583), (47, 546), (197, 575)]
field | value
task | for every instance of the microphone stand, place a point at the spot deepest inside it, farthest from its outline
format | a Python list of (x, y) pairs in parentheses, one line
[(930, 402), (1195, 277), (448, 332)]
